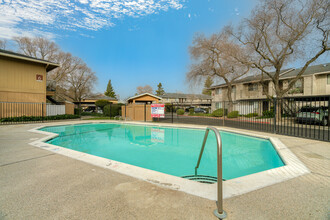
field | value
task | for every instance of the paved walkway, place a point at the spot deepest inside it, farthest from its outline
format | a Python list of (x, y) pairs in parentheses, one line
[(38, 184)]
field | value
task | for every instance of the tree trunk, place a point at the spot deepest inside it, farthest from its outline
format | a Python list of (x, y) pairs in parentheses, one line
[(230, 99), (278, 113)]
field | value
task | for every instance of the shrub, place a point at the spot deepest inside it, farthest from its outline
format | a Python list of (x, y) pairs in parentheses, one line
[(112, 110), (268, 114), (101, 103), (218, 113), (233, 114), (202, 114), (180, 111), (168, 107), (38, 118), (191, 111), (77, 111), (250, 115)]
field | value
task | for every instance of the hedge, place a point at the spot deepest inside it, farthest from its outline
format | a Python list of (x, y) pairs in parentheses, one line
[(180, 111), (218, 112), (102, 103), (250, 115), (115, 110), (39, 118), (168, 107), (233, 114), (268, 114), (191, 111)]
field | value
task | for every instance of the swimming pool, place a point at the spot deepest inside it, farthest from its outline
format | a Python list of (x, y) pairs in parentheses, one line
[(168, 150)]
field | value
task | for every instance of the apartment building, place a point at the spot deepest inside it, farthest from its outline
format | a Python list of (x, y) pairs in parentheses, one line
[(314, 82), (23, 78), (196, 100)]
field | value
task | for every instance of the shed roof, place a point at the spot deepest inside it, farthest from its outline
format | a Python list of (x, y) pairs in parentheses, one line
[(49, 65), (144, 94)]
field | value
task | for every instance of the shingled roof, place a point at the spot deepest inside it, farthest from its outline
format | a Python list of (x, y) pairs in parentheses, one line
[(286, 73), (183, 95), (49, 65)]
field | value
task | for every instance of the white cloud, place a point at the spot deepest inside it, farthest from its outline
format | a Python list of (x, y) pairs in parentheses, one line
[(236, 11), (19, 17)]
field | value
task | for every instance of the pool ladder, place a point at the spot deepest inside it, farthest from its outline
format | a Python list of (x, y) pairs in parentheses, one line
[(219, 212)]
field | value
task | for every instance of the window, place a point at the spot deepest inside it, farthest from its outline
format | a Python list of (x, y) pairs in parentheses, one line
[(253, 87), (265, 89), (328, 79), (233, 89), (298, 87), (298, 83), (218, 91), (218, 105)]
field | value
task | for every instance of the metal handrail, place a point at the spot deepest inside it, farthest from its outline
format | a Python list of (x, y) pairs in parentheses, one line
[(219, 212)]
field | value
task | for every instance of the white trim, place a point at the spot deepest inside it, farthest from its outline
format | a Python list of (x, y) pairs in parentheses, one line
[(320, 73), (28, 59), (143, 94), (293, 168)]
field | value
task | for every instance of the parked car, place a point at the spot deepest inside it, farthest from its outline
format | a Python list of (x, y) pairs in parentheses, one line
[(188, 109), (89, 110), (315, 115), (200, 110)]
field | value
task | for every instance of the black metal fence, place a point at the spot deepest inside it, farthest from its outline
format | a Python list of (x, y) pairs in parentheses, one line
[(24, 112), (306, 117)]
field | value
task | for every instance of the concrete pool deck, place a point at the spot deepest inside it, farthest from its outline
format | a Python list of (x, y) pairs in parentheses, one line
[(39, 184)]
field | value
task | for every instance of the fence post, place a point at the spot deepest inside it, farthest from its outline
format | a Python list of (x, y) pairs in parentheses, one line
[(42, 112), (223, 113), (125, 111), (275, 113), (79, 109), (145, 112), (172, 111)]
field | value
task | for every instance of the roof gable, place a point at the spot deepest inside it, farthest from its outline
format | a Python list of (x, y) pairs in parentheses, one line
[(49, 65), (144, 94)]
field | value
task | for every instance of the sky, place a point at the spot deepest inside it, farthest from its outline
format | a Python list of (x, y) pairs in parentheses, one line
[(132, 42)]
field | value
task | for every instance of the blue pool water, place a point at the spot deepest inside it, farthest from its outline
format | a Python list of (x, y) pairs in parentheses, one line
[(169, 150)]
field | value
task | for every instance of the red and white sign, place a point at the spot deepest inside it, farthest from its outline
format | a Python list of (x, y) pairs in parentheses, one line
[(39, 78), (158, 110)]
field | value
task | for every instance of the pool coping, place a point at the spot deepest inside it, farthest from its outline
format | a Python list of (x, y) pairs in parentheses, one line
[(237, 186)]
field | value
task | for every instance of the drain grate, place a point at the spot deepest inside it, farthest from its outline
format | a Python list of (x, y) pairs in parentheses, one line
[(201, 178)]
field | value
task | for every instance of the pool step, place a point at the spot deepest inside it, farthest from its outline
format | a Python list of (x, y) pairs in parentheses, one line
[(201, 178)]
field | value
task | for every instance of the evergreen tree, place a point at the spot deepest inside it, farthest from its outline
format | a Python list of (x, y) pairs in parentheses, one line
[(110, 92), (208, 83), (160, 90)]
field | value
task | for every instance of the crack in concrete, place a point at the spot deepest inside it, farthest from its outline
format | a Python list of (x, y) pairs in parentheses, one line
[(2, 165)]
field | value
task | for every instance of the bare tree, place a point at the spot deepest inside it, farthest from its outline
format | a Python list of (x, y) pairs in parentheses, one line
[(3, 44), (74, 79), (216, 57), (38, 47), (79, 81), (68, 63), (279, 32), (144, 89)]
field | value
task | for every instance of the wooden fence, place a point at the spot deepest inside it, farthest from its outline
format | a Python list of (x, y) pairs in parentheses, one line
[(136, 112)]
